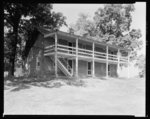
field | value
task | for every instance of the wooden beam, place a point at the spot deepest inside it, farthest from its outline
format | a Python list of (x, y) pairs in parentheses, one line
[(93, 64), (128, 63), (107, 61), (118, 64), (50, 34), (56, 68), (77, 58)]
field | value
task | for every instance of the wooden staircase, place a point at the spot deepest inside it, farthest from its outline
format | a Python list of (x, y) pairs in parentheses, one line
[(63, 66)]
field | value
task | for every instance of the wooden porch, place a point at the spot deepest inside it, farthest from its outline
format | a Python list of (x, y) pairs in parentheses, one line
[(74, 52)]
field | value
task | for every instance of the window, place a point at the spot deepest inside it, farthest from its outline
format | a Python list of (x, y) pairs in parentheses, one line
[(89, 68), (84, 46), (108, 68), (112, 52), (109, 72), (70, 44), (37, 64)]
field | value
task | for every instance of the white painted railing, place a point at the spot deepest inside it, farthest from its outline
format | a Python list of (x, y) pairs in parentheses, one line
[(68, 50)]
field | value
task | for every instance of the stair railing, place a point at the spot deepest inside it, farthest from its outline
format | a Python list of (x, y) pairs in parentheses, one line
[(67, 65)]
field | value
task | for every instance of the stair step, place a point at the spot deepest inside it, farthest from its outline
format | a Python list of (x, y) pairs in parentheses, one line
[(62, 67)]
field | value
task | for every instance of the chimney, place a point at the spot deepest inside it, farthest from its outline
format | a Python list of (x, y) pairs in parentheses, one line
[(71, 30), (86, 35)]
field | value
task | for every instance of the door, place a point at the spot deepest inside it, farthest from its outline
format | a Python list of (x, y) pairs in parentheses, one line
[(70, 65), (89, 69), (70, 44), (109, 70)]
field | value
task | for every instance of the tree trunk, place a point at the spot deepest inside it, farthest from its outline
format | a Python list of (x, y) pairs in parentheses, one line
[(14, 46)]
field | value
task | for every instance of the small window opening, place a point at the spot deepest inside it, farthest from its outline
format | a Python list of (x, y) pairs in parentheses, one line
[(89, 68), (37, 63)]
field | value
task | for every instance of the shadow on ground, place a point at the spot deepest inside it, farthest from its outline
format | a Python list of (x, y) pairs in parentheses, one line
[(17, 85), (21, 85)]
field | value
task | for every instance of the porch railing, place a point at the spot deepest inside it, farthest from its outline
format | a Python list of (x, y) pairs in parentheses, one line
[(83, 53)]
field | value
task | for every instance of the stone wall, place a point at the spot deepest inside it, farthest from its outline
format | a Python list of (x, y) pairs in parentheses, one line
[(37, 53)]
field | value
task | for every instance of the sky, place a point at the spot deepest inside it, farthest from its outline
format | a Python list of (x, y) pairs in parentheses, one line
[(72, 11)]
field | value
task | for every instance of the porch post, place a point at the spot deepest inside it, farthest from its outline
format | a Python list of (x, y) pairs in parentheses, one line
[(118, 64), (106, 61), (128, 64), (77, 58), (56, 68), (93, 64)]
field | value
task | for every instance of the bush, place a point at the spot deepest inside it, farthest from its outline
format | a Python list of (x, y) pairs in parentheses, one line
[(76, 82)]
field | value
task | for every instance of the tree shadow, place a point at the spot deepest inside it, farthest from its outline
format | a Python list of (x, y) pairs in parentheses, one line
[(103, 78), (77, 83), (27, 84), (17, 86), (20, 87), (47, 84)]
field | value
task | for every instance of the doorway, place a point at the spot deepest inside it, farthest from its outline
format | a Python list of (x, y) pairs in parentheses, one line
[(70, 44), (109, 70), (70, 65), (89, 68)]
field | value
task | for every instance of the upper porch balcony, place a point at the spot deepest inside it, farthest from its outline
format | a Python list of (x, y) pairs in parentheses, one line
[(72, 46), (70, 51)]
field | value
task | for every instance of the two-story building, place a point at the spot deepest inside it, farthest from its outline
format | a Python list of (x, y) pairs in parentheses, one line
[(61, 54)]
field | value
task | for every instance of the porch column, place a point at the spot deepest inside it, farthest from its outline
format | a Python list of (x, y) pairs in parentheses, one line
[(128, 64), (118, 64), (56, 68), (93, 64), (106, 61), (77, 58)]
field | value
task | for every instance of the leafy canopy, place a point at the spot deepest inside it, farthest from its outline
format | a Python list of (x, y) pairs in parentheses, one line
[(111, 24), (20, 21)]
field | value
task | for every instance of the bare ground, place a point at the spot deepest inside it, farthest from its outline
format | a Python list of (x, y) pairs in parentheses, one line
[(94, 97)]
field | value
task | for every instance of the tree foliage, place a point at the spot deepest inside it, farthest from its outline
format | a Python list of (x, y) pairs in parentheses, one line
[(112, 24), (20, 20), (83, 25), (113, 19)]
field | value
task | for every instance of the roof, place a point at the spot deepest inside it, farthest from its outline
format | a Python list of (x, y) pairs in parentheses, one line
[(44, 31)]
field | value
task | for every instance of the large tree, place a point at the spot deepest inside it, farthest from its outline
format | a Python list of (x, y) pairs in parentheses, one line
[(83, 25), (20, 20), (112, 24)]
